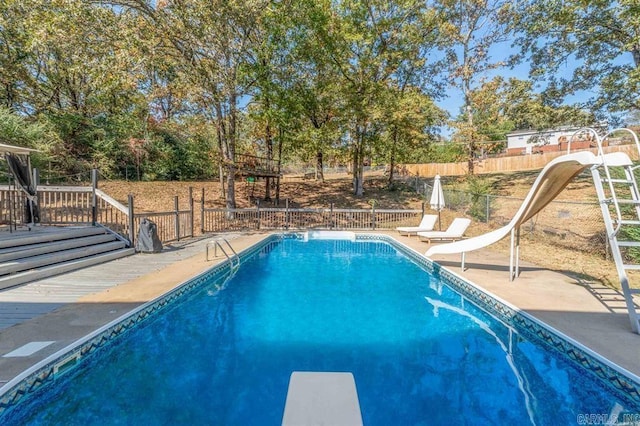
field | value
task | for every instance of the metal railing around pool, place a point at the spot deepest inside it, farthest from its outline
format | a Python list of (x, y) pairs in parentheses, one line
[(220, 220)]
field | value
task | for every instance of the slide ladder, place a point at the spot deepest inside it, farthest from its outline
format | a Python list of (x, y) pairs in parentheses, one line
[(617, 188)]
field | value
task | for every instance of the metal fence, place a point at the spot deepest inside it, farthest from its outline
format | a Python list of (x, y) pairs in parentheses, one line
[(575, 225), (220, 220)]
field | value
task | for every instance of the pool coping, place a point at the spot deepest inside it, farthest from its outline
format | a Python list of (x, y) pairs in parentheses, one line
[(57, 364)]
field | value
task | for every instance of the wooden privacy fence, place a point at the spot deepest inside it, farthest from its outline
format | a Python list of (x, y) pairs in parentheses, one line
[(502, 164)]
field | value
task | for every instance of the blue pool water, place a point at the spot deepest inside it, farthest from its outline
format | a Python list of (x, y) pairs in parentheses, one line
[(419, 352)]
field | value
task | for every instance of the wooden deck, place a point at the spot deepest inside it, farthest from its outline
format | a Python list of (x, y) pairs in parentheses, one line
[(23, 302)]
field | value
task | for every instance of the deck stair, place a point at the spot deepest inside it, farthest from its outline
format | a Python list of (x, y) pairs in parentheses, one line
[(617, 188), (41, 253)]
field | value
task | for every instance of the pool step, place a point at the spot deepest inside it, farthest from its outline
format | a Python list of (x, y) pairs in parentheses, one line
[(26, 257)]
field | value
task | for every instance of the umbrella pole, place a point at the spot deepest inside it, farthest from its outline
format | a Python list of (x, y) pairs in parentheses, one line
[(439, 210)]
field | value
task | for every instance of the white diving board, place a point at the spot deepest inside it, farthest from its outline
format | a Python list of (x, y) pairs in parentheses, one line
[(322, 398)]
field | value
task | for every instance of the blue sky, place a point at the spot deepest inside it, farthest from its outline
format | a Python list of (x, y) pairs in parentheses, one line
[(454, 100)]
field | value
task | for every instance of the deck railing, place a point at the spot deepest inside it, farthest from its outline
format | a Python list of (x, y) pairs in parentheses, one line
[(74, 205), (171, 225), (66, 205)]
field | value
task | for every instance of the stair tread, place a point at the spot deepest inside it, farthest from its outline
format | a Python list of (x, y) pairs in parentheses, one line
[(32, 262), (42, 236), (11, 253), (63, 267), (628, 181)]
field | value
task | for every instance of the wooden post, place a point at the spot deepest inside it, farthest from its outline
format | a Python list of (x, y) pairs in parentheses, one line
[(177, 214), (488, 209), (287, 218), (258, 209), (202, 212), (191, 208), (94, 198), (331, 216), (35, 205), (131, 221)]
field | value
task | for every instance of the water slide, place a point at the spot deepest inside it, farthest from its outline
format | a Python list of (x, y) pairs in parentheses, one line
[(553, 178)]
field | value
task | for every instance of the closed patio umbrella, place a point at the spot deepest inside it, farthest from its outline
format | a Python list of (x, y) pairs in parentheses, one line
[(437, 198)]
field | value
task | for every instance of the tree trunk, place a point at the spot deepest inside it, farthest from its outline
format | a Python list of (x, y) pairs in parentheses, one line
[(471, 143), (269, 142), (226, 133), (392, 158), (319, 167), (358, 161), (360, 170)]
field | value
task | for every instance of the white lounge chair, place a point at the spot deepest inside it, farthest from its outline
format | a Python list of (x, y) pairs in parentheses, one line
[(426, 224), (454, 232), (555, 176)]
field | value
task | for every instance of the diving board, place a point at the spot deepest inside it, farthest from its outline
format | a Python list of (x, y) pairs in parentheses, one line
[(553, 178), (322, 398)]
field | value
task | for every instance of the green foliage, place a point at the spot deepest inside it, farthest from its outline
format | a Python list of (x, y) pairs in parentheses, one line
[(444, 153), (29, 133), (171, 90), (599, 38), (173, 156), (480, 189)]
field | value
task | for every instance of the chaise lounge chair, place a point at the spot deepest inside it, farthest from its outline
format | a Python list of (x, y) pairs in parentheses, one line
[(454, 232), (426, 224)]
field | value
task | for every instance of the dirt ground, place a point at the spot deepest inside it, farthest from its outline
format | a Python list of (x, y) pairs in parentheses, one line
[(586, 265)]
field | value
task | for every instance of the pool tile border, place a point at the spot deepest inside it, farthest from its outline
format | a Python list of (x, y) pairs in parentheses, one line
[(610, 374), (44, 373)]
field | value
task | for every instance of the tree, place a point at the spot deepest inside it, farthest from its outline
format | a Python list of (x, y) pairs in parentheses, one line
[(368, 43), (14, 40), (214, 42), (472, 28), (408, 115), (597, 41), (501, 106)]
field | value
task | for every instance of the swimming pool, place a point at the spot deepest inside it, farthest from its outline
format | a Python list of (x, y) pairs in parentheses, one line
[(221, 352)]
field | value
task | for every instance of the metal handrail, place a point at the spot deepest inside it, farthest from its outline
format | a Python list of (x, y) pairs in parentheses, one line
[(216, 244)]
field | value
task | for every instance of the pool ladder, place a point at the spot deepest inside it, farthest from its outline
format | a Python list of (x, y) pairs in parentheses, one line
[(217, 244), (232, 257)]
